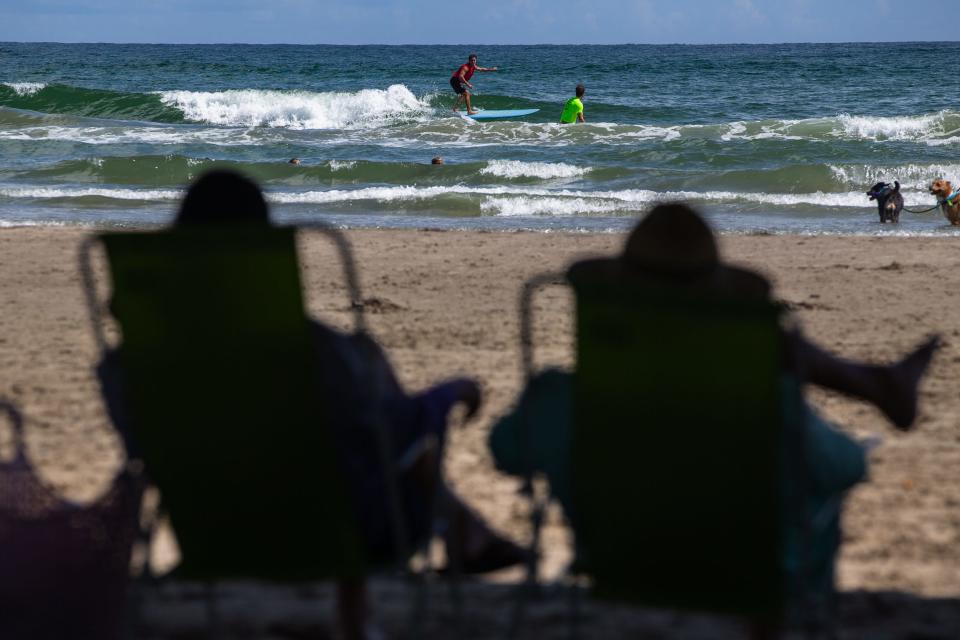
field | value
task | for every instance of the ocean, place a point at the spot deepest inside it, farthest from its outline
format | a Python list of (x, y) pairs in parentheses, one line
[(762, 138)]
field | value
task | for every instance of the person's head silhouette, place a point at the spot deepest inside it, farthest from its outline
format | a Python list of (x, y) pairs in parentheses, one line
[(672, 240), (223, 197)]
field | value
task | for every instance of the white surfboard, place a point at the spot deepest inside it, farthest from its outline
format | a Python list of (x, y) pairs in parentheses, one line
[(499, 114)]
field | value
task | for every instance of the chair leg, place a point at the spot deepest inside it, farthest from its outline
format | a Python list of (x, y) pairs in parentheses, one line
[(133, 613), (764, 630), (214, 621), (575, 613), (519, 611), (417, 580), (352, 608)]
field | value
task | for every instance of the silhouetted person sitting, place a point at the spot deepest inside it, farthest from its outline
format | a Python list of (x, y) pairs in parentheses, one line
[(359, 393), (672, 247)]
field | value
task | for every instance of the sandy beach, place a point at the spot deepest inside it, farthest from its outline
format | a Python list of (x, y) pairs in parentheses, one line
[(445, 304)]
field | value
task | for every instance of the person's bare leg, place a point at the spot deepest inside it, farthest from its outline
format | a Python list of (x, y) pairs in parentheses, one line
[(456, 104), (470, 109), (352, 608), (472, 547), (891, 388)]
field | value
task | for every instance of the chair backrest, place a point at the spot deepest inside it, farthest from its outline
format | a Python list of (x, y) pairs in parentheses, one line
[(677, 446), (220, 386)]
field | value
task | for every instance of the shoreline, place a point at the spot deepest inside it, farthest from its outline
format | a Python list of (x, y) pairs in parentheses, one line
[(445, 304), (945, 231)]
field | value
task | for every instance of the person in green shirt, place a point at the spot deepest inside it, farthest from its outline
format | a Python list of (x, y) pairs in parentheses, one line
[(573, 110)]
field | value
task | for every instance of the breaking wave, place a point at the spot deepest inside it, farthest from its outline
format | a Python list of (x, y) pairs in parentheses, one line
[(542, 170), (363, 109), (492, 200), (25, 88)]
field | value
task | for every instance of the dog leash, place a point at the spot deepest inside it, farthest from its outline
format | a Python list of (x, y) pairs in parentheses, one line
[(922, 210), (940, 203)]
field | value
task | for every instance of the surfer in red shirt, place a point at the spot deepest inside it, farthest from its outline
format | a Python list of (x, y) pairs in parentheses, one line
[(460, 80)]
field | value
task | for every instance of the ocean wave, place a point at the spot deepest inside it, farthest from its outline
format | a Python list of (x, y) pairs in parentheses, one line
[(910, 175), (938, 129), (376, 108), (46, 193), (174, 170), (547, 206), (133, 134), (511, 200), (60, 99), (543, 170), (900, 127), (341, 165), (300, 109), (25, 88)]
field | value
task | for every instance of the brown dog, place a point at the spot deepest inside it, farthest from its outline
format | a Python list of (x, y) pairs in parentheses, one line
[(950, 206)]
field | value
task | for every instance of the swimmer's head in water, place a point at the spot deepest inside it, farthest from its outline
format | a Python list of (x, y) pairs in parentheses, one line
[(294, 160), (581, 90), (436, 160)]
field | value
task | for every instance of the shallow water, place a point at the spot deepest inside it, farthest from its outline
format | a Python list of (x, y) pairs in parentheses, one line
[(778, 139)]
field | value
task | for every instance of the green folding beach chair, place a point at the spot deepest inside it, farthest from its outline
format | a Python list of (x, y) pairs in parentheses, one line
[(678, 434), (221, 390)]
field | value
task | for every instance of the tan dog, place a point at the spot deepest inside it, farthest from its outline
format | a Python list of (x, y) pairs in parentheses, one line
[(950, 206)]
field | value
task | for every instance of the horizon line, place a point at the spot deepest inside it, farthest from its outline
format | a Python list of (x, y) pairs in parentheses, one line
[(487, 44)]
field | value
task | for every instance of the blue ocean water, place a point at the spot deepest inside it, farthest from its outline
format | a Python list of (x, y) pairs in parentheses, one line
[(772, 138)]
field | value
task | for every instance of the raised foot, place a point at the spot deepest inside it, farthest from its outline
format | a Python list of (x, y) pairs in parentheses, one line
[(900, 403)]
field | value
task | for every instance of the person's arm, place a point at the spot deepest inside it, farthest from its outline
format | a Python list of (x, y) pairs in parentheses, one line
[(580, 117), (487, 68), (463, 78)]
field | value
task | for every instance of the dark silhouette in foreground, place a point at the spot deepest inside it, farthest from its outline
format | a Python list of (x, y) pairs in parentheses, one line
[(241, 405), (64, 565), (690, 468)]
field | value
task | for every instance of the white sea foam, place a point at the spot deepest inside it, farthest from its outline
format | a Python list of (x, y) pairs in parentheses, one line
[(375, 194), (507, 200), (143, 195), (341, 165), (159, 135), (893, 128), (942, 128), (914, 176), (26, 88), (300, 109), (540, 206), (10, 224), (499, 200), (544, 170)]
